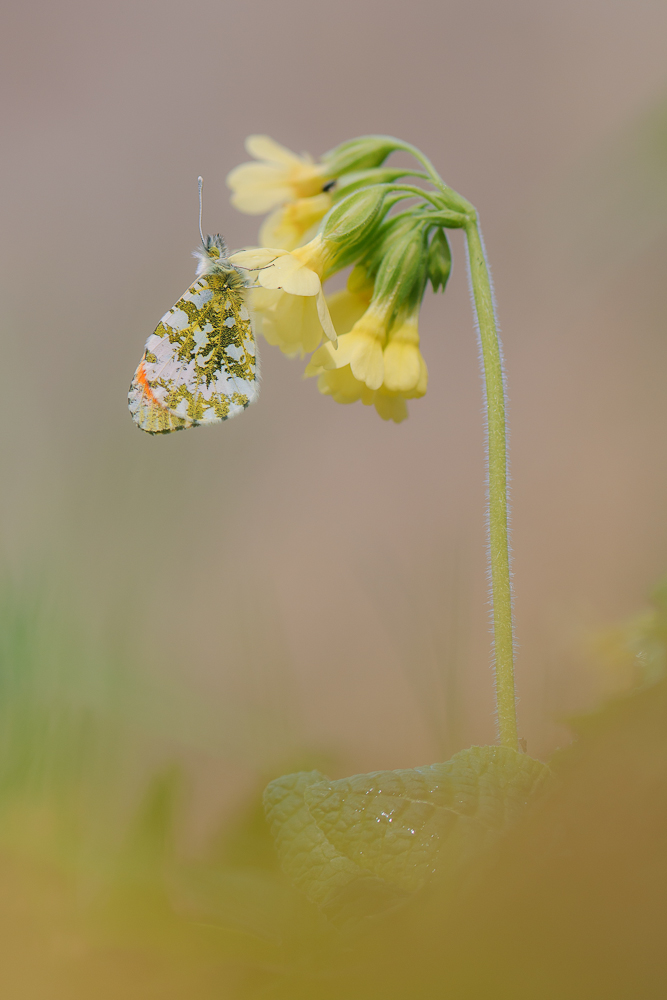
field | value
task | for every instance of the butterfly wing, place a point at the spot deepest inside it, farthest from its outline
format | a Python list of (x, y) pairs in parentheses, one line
[(199, 366)]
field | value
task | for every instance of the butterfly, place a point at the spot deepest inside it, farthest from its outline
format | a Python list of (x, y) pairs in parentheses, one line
[(200, 364)]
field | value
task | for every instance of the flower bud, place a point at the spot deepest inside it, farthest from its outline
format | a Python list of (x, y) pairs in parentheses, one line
[(391, 232), (359, 154), (439, 260), (354, 217), (401, 276)]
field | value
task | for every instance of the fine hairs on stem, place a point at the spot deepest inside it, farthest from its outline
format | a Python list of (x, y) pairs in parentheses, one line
[(395, 257), (497, 517)]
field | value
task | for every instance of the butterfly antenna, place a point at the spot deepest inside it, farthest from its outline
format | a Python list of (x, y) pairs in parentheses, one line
[(200, 181)]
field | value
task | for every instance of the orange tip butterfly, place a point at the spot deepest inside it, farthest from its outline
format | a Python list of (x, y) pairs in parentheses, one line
[(200, 364)]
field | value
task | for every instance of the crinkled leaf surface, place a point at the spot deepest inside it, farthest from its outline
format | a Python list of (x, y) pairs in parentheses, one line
[(327, 876), (361, 843)]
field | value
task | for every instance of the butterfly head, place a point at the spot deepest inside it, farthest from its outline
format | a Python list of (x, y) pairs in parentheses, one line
[(213, 259), (213, 255)]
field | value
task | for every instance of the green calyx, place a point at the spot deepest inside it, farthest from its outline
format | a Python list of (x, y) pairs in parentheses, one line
[(439, 263), (402, 272), (400, 252), (355, 217), (359, 154)]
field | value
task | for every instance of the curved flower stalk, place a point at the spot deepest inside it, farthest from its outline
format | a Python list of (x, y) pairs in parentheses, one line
[(371, 351)]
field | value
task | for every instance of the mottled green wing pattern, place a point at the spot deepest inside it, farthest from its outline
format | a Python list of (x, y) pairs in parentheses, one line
[(199, 366), (394, 829)]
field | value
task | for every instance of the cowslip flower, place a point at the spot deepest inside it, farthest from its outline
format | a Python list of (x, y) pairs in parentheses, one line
[(278, 177), (350, 303), (352, 197), (296, 273), (376, 362), (291, 322), (289, 225)]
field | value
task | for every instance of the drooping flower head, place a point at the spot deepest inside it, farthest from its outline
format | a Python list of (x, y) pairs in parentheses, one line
[(371, 352)]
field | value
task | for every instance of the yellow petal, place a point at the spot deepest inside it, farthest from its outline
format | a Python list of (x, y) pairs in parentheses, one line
[(422, 382), (342, 386), (359, 283), (340, 357), (288, 273), (259, 187), (366, 362), (317, 255), (261, 301), (324, 359), (289, 322), (257, 174), (280, 176), (325, 318), (401, 366), (290, 224), (259, 257), (361, 348), (391, 407), (258, 202), (263, 147), (346, 308)]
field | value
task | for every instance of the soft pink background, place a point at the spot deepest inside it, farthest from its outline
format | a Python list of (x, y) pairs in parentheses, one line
[(308, 575)]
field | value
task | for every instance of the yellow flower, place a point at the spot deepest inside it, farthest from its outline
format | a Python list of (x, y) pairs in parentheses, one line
[(344, 387), (390, 407), (295, 273), (279, 176), (289, 322), (405, 370), (349, 304), (288, 226), (360, 349), (373, 364)]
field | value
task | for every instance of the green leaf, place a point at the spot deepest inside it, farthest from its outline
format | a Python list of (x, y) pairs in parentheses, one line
[(326, 876), (379, 837)]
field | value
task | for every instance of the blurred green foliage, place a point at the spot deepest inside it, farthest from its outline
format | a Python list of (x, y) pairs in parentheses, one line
[(634, 653), (359, 845), (99, 898)]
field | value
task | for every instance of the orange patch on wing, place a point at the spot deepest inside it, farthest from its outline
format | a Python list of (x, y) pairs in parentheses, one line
[(144, 383)]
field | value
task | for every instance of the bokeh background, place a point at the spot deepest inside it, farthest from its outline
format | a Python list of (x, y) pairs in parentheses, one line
[(309, 579)]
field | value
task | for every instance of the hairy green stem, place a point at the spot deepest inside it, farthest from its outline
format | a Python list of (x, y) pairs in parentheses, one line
[(425, 162), (453, 199), (501, 588), (418, 192)]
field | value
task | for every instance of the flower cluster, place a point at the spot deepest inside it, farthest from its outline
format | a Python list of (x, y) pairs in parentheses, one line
[(325, 217)]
